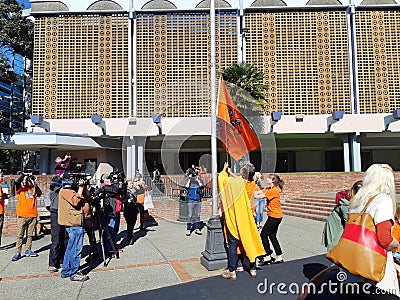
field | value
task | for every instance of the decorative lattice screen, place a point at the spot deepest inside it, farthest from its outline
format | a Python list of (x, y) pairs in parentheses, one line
[(81, 66), (305, 59), (378, 57), (173, 61)]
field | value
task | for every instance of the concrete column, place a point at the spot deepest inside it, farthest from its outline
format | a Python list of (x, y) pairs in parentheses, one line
[(131, 164), (140, 141), (356, 152), (44, 161), (346, 153)]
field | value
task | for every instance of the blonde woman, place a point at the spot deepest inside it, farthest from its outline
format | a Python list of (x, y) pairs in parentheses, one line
[(378, 182)]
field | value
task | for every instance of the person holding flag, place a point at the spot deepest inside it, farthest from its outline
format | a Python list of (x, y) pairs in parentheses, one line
[(240, 229)]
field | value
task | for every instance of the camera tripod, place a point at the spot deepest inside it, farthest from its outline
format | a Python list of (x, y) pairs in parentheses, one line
[(98, 220)]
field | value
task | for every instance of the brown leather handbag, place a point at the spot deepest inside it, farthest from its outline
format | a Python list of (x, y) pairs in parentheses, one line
[(358, 250)]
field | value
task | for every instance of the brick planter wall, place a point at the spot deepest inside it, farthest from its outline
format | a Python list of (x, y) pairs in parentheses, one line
[(296, 185)]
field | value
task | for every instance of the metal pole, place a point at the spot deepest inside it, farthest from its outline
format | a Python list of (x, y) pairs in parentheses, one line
[(213, 111), (130, 41), (353, 68)]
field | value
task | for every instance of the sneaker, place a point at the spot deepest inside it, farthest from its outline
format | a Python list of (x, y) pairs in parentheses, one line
[(187, 232), (80, 277), (239, 269), (16, 256), (31, 253), (64, 276), (52, 269), (268, 262), (197, 231), (253, 273), (229, 275)]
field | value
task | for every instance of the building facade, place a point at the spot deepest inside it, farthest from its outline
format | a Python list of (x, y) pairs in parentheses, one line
[(103, 69)]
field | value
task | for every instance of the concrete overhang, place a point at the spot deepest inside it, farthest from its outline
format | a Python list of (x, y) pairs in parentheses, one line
[(56, 140)]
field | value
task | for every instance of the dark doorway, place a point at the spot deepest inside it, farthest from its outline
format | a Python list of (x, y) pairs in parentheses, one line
[(334, 161)]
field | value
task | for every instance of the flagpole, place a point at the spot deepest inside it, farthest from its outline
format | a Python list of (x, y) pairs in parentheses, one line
[(213, 95), (214, 256)]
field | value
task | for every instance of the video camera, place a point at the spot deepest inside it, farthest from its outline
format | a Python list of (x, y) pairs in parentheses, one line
[(116, 176), (192, 172), (75, 179), (28, 176)]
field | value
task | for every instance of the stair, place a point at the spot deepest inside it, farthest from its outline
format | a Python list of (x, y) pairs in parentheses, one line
[(314, 207), (397, 185)]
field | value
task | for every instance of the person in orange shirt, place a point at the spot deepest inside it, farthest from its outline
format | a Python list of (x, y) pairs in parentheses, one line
[(27, 213), (3, 196), (140, 188), (396, 234), (275, 215)]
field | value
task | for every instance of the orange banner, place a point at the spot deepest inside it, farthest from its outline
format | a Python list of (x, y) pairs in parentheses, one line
[(233, 129)]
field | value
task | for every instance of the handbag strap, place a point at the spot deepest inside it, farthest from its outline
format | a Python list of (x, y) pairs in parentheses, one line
[(366, 205)]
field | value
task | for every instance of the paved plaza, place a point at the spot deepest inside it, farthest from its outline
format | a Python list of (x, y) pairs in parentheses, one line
[(160, 258)]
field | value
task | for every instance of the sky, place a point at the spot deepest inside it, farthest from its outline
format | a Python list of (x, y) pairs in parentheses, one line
[(26, 3)]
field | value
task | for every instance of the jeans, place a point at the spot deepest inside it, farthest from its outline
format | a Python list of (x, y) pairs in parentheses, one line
[(270, 230), (194, 208), (58, 241), (1, 224), (140, 206), (113, 228), (72, 256), (233, 257), (260, 203)]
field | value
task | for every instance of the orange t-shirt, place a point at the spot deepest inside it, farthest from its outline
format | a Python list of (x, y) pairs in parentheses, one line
[(274, 202), (26, 206), (1, 201), (396, 233), (140, 197), (250, 187)]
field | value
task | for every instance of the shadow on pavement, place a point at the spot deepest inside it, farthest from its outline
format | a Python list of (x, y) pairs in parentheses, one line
[(283, 281)]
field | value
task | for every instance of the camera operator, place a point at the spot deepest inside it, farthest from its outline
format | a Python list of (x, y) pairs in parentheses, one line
[(73, 207), (194, 186), (58, 233), (112, 209), (130, 211), (62, 164), (27, 213)]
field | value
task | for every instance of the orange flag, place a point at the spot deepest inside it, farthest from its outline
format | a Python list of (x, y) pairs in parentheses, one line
[(233, 129)]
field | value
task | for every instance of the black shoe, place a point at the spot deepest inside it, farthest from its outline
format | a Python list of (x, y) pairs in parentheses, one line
[(278, 261), (268, 262)]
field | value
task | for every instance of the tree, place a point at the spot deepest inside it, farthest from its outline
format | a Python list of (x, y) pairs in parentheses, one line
[(245, 85), (16, 35)]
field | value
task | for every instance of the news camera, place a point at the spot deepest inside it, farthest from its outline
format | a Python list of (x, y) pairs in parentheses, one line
[(117, 176), (28, 176), (192, 172), (75, 179)]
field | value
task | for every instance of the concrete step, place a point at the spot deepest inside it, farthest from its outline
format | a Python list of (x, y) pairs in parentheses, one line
[(312, 201), (304, 215), (295, 205), (307, 210)]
